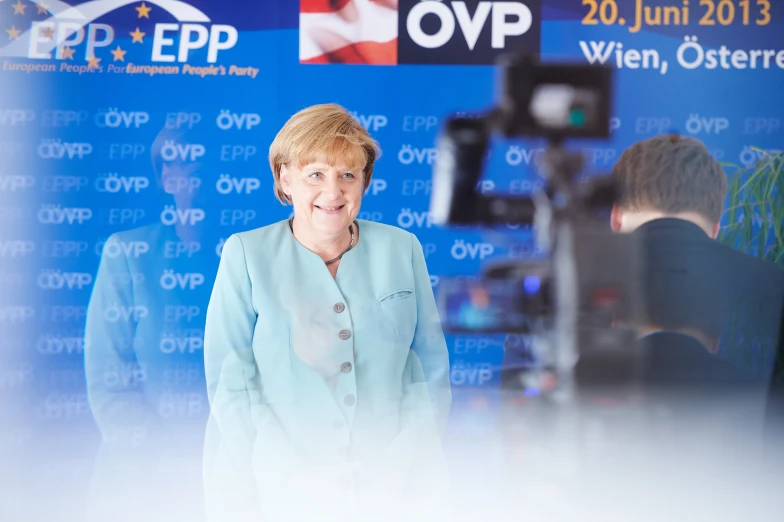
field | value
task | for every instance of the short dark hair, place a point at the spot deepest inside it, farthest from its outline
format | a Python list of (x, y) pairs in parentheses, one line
[(671, 174)]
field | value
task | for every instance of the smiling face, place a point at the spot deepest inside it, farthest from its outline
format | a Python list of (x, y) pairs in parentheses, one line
[(325, 197), (322, 161)]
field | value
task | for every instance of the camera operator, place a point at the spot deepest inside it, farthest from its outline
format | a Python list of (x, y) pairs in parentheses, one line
[(714, 313), (704, 359)]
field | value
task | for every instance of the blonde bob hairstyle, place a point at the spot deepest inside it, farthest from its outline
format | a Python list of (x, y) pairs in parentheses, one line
[(326, 133)]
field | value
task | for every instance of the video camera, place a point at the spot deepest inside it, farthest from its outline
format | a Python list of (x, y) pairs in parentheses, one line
[(590, 283)]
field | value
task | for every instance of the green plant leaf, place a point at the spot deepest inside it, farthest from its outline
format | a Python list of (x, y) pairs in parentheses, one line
[(758, 171), (734, 190), (756, 193), (777, 206), (747, 235)]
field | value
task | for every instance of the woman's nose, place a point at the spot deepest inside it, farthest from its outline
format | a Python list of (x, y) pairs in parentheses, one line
[(333, 187)]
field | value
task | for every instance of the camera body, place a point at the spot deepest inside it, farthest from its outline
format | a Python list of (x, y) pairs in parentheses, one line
[(586, 295)]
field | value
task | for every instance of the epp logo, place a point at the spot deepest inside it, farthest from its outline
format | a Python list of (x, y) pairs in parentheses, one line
[(388, 32), (71, 26)]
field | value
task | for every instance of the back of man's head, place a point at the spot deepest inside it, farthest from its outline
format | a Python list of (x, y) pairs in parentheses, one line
[(669, 176)]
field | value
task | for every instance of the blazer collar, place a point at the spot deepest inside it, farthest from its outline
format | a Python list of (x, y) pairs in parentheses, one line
[(673, 226)]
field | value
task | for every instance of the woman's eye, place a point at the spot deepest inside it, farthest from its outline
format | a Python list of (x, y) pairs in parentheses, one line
[(315, 174), (350, 175)]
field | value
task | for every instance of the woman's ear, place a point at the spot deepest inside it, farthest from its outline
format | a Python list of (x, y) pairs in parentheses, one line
[(285, 184)]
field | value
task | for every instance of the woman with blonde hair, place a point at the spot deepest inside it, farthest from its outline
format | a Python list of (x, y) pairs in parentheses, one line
[(326, 364)]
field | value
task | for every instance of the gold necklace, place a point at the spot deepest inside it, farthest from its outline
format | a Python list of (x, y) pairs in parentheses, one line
[(350, 245)]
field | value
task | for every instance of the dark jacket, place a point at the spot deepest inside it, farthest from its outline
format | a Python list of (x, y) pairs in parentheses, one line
[(691, 282), (695, 282)]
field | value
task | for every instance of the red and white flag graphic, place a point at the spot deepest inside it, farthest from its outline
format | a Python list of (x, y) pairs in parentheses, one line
[(348, 31)]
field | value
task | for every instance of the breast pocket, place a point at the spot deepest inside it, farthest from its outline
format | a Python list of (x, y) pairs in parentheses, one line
[(399, 310)]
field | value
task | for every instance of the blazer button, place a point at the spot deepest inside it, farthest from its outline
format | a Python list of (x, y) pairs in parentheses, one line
[(345, 367), (344, 334), (349, 400), (339, 307)]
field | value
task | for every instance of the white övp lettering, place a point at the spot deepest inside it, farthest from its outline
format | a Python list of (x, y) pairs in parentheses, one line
[(58, 344), (172, 151), (55, 215), (516, 155), (114, 183), (171, 344), (171, 280), (461, 250), (116, 248), (114, 119), (180, 404), (228, 185), (376, 186), (408, 218), (184, 216), (371, 122), (699, 125), (228, 120), (56, 149), (463, 373), (125, 374), (114, 314), (409, 155), (56, 280), (471, 27)]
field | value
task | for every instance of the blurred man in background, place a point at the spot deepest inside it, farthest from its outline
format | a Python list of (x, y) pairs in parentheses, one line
[(143, 358), (714, 313), (711, 347)]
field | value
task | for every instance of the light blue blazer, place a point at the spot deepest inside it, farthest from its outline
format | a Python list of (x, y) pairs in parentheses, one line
[(306, 370)]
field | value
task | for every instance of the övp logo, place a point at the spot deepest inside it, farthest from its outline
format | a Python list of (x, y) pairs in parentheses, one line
[(115, 118), (71, 26), (228, 120), (55, 215), (466, 32), (56, 149), (228, 185), (171, 280), (114, 183), (173, 151), (56, 280), (371, 122)]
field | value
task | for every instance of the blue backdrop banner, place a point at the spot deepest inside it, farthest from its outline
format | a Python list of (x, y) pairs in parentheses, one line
[(134, 136)]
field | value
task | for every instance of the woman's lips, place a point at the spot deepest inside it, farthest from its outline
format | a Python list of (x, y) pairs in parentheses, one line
[(330, 210)]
